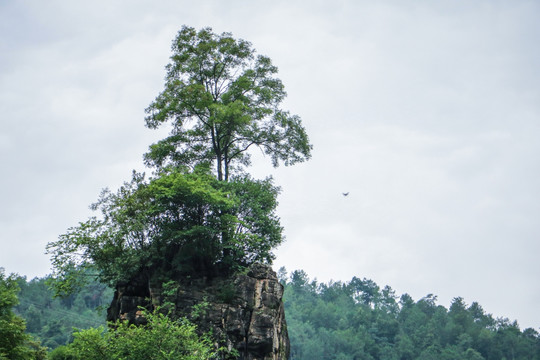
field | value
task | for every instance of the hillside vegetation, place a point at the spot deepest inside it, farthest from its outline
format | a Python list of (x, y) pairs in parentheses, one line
[(336, 320), (360, 320)]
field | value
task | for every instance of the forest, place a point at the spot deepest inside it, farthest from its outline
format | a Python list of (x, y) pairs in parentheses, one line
[(360, 320), (335, 320), (52, 319)]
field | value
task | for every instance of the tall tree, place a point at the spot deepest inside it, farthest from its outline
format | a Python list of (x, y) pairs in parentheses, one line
[(222, 99)]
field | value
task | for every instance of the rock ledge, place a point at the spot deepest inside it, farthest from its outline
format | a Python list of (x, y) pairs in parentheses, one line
[(244, 312)]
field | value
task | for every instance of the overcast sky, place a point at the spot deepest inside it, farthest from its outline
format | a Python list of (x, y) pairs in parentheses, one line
[(426, 112)]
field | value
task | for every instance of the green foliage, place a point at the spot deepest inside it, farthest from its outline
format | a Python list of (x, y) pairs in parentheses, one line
[(12, 327), (161, 339), (52, 319), (174, 224), (256, 229), (358, 320), (169, 293), (200, 310), (227, 293), (221, 99), (15, 343)]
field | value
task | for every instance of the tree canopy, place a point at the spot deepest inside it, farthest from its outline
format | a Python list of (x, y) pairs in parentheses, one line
[(222, 99), (179, 222)]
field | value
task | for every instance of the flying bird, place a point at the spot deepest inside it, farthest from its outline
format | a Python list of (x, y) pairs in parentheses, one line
[(346, 194)]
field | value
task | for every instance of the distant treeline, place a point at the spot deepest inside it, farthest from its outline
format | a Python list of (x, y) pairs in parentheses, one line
[(335, 320), (51, 320), (359, 320)]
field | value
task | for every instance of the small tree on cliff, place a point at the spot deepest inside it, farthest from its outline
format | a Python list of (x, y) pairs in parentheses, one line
[(222, 99)]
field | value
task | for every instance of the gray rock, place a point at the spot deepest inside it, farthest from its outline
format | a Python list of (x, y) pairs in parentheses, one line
[(243, 312)]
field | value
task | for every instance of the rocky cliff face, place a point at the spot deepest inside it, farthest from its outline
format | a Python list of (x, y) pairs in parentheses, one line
[(244, 312)]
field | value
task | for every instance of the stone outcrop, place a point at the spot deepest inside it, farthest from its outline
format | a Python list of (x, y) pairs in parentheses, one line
[(244, 312)]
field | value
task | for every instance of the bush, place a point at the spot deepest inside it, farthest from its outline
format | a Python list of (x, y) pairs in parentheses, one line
[(160, 339)]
